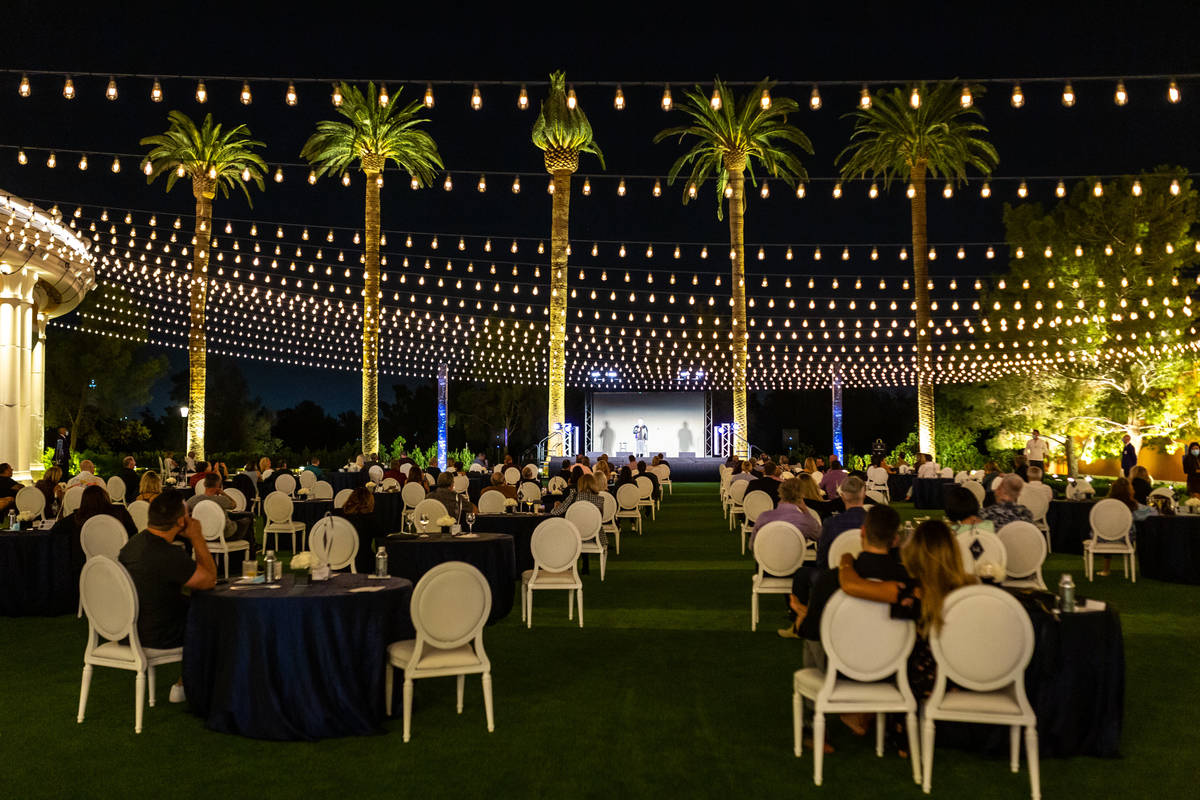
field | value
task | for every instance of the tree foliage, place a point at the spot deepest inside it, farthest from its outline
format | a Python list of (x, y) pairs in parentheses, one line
[(207, 154), (561, 124)]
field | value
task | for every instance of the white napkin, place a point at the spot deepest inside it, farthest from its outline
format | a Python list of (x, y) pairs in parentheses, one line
[(367, 588)]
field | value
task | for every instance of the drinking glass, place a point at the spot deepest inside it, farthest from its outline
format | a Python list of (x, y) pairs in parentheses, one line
[(249, 568), (471, 521), (424, 522)]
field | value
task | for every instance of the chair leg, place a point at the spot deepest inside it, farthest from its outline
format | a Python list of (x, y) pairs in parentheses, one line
[(617, 535), (1031, 755), (879, 735), (529, 606), (388, 685), (570, 604), (579, 595), (1014, 748), (408, 692), (927, 755), (797, 724), (603, 562), (462, 682), (743, 541), (84, 687), (139, 701), (79, 613), (914, 751), (150, 684), (487, 701), (753, 611), (1133, 567), (818, 747)]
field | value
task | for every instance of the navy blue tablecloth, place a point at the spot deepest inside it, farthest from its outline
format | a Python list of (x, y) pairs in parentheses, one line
[(39, 573), (898, 486), (343, 480), (492, 553), (1168, 548), (1070, 524), (297, 662), (930, 492), (519, 526), (388, 508)]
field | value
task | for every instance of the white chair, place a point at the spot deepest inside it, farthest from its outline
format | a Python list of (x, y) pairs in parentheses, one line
[(979, 547), (277, 507), (961, 476), (410, 495), (555, 547), (512, 476), (588, 520), (102, 535), (116, 490), (212, 524), (628, 497), (461, 484), (432, 510), (1162, 491), (70, 501), (877, 481), (812, 512), (529, 493), (753, 504), (996, 482), (1025, 550), (449, 608), (308, 479), (609, 519), (846, 542), (1035, 497), (491, 503), (341, 497), (737, 492), (375, 474), (140, 511), (663, 473), (286, 484), (779, 550), (867, 673), (1111, 522), (321, 490), (30, 500), (405, 469), (334, 541), (110, 601), (876, 497), (946, 472), (556, 485), (983, 646), (531, 466), (239, 499), (389, 484), (976, 488)]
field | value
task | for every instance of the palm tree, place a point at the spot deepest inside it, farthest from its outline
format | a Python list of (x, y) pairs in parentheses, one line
[(214, 159), (562, 132), (377, 130), (730, 135), (907, 136)]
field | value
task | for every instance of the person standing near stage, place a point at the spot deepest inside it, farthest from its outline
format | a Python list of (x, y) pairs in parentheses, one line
[(1037, 450), (62, 452), (640, 434), (1128, 456)]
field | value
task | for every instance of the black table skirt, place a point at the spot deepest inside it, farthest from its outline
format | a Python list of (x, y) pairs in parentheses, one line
[(930, 492), (1070, 524), (493, 553), (295, 662), (388, 511), (898, 486), (520, 526), (826, 508), (1168, 548), (1075, 683), (39, 573)]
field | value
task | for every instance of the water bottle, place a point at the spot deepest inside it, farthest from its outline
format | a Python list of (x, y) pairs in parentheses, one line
[(381, 567), (12, 520), (270, 567), (1066, 593)]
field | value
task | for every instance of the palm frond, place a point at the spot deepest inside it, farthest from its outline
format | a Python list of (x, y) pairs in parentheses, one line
[(203, 152), (559, 126)]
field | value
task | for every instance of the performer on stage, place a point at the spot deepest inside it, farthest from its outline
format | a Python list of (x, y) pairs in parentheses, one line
[(640, 434)]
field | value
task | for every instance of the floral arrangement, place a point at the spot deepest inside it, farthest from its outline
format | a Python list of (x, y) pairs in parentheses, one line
[(303, 560), (444, 521), (1192, 504), (510, 503), (26, 516), (988, 569), (370, 484), (302, 492), (171, 481)]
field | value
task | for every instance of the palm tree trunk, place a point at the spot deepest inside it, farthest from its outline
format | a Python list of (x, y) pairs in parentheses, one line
[(920, 243), (370, 342), (737, 242), (204, 189), (560, 218)]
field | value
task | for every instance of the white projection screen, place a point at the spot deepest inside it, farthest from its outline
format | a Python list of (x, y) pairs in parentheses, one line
[(674, 422)]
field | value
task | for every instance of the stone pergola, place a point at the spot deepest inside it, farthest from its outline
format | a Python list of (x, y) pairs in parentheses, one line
[(45, 271)]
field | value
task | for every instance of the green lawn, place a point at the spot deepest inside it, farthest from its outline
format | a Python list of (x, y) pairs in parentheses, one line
[(665, 693)]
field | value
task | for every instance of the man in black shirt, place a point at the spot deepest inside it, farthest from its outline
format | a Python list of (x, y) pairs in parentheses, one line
[(8, 488), (771, 478), (161, 571), (128, 474)]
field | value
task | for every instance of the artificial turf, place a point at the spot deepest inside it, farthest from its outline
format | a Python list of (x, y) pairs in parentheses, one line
[(664, 693)]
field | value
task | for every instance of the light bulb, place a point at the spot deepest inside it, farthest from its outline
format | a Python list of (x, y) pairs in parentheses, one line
[(1018, 97), (116, 165), (1022, 190), (278, 175), (587, 186), (148, 168), (23, 87), (1175, 187), (523, 98), (800, 191), (312, 176), (837, 190), (110, 91), (873, 192), (1068, 95), (83, 164), (246, 174), (482, 185), (336, 97), (383, 95), (986, 190), (476, 98), (201, 93), (156, 92), (965, 99), (345, 179), (619, 99), (948, 191), (516, 184), (429, 95), (666, 98), (765, 191), (914, 97), (245, 95), (864, 98), (911, 191), (51, 161), (550, 186), (657, 190), (289, 97), (1061, 189), (1098, 189), (728, 190), (69, 88), (691, 190), (572, 100), (413, 183), (1121, 97), (180, 171), (715, 100), (621, 188), (1173, 92), (765, 100), (814, 99)]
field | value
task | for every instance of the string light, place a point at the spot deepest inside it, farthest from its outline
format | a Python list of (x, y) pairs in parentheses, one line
[(1174, 187), (1060, 190), (666, 97), (156, 92), (482, 184), (1018, 97), (110, 91), (864, 98), (621, 188), (1173, 92), (765, 100), (572, 100), (619, 99), (383, 95), (116, 164), (476, 98), (1022, 190), (965, 99), (1121, 97), (23, 88), (1098, 189), (336, 98), (68, 88), (245, 96), (429, 95), (914, 97), (715, 100), (587, 187), (289, 97), (51, 161), (985, 191), (516, 184), (1068, 95), (83, 163), (201, 93), (814, 99), (523, 98)]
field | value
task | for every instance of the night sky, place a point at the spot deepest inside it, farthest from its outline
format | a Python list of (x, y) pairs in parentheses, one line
[(872, 45)]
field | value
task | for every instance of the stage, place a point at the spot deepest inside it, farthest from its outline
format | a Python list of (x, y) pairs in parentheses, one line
[(683, 468)]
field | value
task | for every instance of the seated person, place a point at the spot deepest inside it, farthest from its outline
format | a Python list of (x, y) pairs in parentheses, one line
[(1035, 481), (480, 463), (1006, 509), (583, 463), (240, 529), (8, 488), (833, 478), (791, 508), (313, 466), (809, 489), (564, 472), (128, 474), (149, 487), (769, 482), (161, 572), (394, 472), (623, 477), (742, 471), (928, 467), (962, 511), (498, 484), (853, 492), (86, 477), (50, 489), (1122, 489), (93, 502), (1139, 478), (456, 505), (360, 510), (587, 490), (202, 468), (1021, 466), (529, 475), (902, 466), (656, 492), (877, 473), (990, 473)]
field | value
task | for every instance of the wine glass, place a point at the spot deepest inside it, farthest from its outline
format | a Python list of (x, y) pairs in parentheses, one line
[(424, 522), (471, 521)]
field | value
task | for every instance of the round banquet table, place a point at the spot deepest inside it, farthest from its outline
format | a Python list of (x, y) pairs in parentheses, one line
[(898, 486), (343, 480), (39, 573), (388, 508), (1168, 548), (1070, 524), (930, 492), (294, 662), (492, 553), (519, 525)]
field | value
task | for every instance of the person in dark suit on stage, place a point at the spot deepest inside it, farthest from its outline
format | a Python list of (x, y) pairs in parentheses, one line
[(640, 434), (1128, 456)]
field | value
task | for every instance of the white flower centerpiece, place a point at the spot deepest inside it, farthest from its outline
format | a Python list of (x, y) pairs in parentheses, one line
[(1192, 504), (26, 516), (171, 481), (445, 522), (302, 492), (990, 571), (510, 505), (371, 485)]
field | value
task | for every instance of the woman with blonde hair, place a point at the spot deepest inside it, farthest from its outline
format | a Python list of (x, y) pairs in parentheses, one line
[(808, 487), (150, 486), (810, 466)]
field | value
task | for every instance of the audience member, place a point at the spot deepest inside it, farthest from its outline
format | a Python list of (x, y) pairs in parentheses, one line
[(8, 487), (1122, 489), (928, 468), (1006, 509), (87, 476), (833, 478), (235, 529), (809, 489), (455, 503), (1035, 482), (498, 484), (1021, 466), (360, 511), (202, 468), (769, 482), (990, 473), (656, 492), (587, 490), (852, 492), (50, 489), (791, 508), (742, 471), (313, 466), (128, 475), (1139, 478), (149, 487), (962, 510), (93, 502)]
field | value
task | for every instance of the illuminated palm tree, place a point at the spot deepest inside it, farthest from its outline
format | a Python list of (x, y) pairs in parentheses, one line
[(909, 136), (562, 132), (213, 159), (377, 130), (730, 136)]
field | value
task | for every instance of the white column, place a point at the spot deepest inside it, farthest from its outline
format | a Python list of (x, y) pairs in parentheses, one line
[(16, 363), (37, 428)]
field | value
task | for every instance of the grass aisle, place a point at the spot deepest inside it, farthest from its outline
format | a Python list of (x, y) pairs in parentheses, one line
[(664, 693)]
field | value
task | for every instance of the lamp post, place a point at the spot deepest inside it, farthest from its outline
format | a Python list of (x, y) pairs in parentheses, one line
[(183, 412)]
